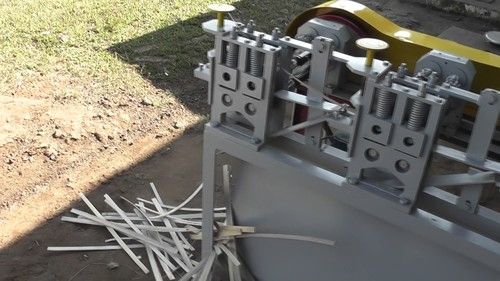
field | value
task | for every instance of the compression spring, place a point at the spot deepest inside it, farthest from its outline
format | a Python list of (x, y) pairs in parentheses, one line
[(256, 63), (385, 99), (232, 55), (418, 115), (232, 49), (385, 104)]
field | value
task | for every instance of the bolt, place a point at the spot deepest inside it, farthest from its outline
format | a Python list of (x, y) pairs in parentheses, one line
[(454, 80), (259, 42), (404, 165), (446, 85), (234, 33), (492, 99), (385, 63), (221, 10), (433, 79), (201, 65), (372, 153), (250, 26), (388, 80), (287, 38), (276, 33), (402, 70), (422, 88), (404, 201), (227, 99), (406, 90), (247, 41), (352, 180)]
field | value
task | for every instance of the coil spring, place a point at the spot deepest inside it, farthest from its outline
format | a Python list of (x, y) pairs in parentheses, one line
[(232, 55), (256, 63), (385, 104), (418, 115)]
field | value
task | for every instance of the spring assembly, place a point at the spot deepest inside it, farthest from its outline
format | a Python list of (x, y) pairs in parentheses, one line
[(256, 63), (385, 104), (232, 50), (418, 115), (232, 55), (385, 100)]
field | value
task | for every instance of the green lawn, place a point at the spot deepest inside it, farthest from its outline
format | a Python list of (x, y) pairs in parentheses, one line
[(117, 43)]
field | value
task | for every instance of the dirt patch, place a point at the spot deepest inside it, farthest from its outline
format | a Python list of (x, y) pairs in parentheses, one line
[(53, 146)]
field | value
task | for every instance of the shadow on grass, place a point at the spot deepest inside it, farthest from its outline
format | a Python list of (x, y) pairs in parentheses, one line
[(176, 168), (168, 55)]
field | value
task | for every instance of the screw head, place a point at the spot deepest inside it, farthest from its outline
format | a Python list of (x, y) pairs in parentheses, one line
[(388, 80), (287, 38), (276, 33), (402, 69), (250, 26), (402, 166), (492, 99)]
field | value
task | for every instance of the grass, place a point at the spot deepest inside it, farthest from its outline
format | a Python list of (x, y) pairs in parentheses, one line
[(117, 44)]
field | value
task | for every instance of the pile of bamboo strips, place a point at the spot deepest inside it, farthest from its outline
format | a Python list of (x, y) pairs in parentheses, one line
[(163, 230), (167, 232)]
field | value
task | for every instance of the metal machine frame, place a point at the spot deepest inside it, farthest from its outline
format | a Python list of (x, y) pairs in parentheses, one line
[(393, 132)]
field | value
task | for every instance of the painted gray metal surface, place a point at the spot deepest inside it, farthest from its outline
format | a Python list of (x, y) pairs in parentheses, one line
[(366, 248), (316, 183), (375, 198)]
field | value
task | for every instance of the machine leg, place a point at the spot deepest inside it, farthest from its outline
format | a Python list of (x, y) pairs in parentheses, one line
[(234, 271), (208, 171)]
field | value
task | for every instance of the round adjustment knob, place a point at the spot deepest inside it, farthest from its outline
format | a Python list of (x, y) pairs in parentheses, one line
[(371, 45), (221, 10)]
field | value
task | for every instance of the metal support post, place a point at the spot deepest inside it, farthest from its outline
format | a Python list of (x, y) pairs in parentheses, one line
[(320, 61)]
